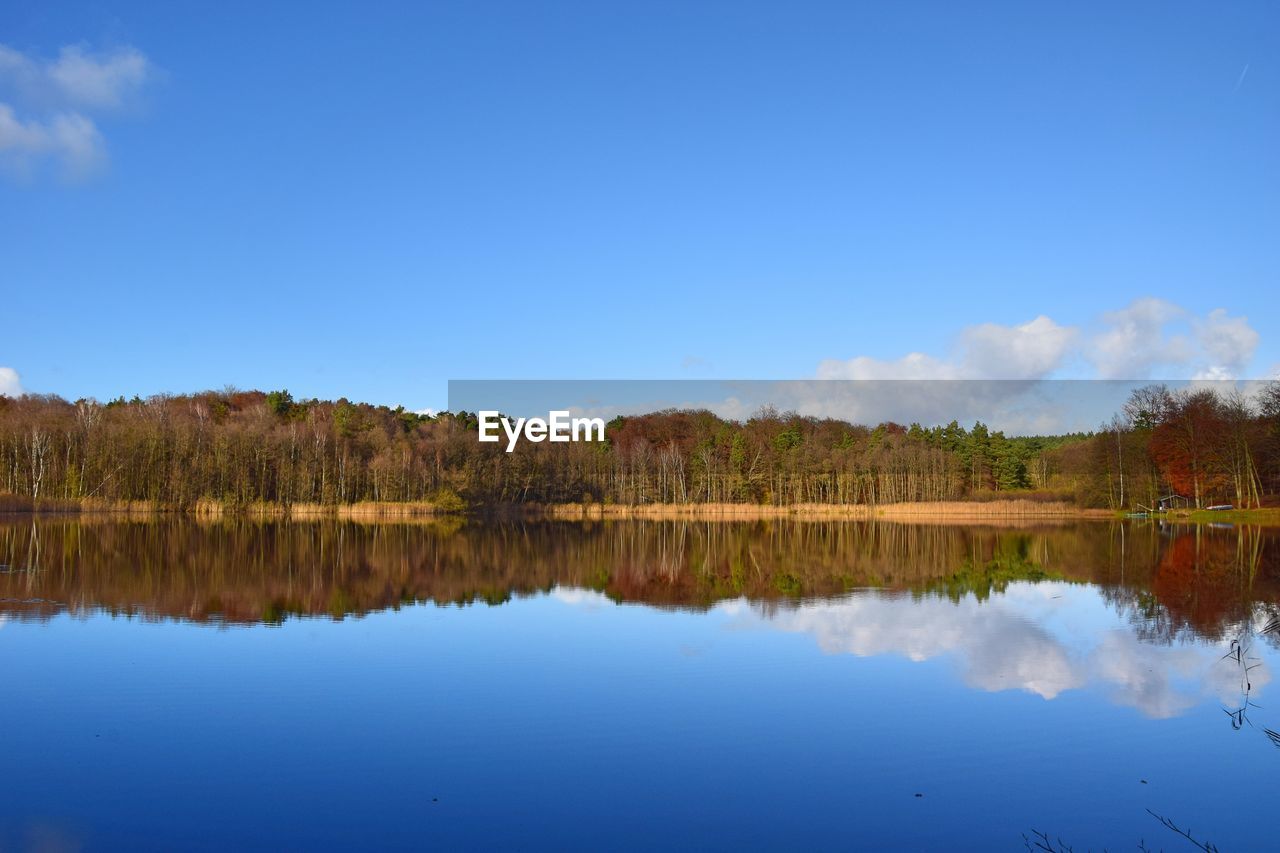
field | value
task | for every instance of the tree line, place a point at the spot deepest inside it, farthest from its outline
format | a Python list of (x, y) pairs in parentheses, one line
[(239, 448)]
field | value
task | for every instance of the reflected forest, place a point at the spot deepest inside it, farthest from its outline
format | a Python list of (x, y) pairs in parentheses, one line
[(1171, 580)]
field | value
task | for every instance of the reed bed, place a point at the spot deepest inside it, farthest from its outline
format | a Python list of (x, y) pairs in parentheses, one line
[(925, 511), (381, 510), (940, 511), (982, 509), (212, 509), (21, 504)]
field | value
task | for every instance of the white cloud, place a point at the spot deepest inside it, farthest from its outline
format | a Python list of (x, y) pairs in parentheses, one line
[(105, 81), (914, 365), (1228, 342), (1135, 340), (1018, 407), (69, 140), (1153, 337), (10, 385), (987, 351), (1149, 337), (77, 79), (51, 122), (1029, 351)]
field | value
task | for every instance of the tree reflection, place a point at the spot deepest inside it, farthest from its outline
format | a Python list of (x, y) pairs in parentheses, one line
[(1170, 582)]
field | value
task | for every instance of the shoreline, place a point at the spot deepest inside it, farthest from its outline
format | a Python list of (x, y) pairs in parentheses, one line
[(939, 510), (1013, 510), (207, 509)]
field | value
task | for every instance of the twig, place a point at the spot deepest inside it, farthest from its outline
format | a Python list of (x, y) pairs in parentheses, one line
[(1043, 843), (1185, 833)]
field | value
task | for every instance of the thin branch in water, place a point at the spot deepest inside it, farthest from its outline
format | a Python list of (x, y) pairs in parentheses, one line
[(1185, 833), (1041, 841)]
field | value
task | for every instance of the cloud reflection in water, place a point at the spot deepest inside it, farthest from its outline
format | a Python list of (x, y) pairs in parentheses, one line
[(1044, 638)]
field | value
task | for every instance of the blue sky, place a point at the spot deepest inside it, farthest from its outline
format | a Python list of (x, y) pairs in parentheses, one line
[(367, 200)]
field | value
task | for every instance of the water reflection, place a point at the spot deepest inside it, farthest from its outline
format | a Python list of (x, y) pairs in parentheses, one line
[(1169, 583), (926, 590), (803, 666), (1042, 638)]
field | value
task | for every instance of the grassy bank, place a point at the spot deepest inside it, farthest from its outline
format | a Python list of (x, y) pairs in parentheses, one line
[(1268, 516)]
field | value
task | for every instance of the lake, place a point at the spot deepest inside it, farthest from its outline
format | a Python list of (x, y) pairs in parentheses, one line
[(779, 685)]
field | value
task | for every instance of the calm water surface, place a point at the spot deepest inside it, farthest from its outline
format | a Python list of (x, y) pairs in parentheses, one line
[(176, 685)]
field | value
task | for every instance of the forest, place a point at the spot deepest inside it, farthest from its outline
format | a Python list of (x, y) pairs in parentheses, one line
[(238, 448)]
